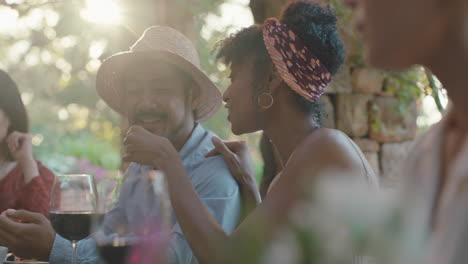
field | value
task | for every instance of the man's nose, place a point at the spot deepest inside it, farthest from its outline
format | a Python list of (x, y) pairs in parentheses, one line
[(148, 100)]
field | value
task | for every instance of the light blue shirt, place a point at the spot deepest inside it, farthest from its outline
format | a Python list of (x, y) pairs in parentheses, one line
[(210, 177)]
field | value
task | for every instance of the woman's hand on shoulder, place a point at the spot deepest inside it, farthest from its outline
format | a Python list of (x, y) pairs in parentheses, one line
[(239, 161)]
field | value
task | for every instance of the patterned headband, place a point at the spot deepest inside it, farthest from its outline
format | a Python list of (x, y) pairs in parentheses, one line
[(299, 68)]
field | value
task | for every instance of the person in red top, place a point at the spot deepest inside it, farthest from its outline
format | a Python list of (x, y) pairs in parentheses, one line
[(24, 182)]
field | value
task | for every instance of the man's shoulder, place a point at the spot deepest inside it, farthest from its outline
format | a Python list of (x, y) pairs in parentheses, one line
[(196, 161), (216, 165), (213, 175), (212, 171)]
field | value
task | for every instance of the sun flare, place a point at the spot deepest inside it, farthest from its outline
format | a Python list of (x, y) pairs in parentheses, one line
[(102, 12)]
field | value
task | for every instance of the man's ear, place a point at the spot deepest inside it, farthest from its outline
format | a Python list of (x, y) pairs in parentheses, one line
[(194, 97)]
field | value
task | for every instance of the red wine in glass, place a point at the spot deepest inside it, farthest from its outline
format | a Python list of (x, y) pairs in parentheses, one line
[(115, 249), (74, 225), (115, 254), (74, 207)]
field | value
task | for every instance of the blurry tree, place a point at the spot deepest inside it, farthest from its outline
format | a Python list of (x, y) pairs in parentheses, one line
[(53, 53)]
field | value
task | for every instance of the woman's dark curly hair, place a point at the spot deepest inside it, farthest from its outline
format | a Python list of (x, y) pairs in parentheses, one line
[(313, 23), (12, 105)]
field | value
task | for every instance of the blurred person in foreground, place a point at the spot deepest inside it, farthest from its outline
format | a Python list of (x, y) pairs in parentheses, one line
[(159, 87), (24, 182), (433, 33), (279, 70)]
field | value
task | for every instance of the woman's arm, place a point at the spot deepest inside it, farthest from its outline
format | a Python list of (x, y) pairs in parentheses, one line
[(209, 242), (35, 196)]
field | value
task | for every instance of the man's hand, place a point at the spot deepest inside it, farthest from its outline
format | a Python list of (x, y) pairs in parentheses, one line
[(28, 235), (143, 147)]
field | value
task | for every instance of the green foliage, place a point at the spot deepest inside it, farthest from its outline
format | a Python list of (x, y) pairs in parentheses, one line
[(407, 86), (85, 145), (60, 147), (342, 11), (377, 123)]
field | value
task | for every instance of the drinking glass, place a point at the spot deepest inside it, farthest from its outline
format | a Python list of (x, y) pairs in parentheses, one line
[(137, 240), (74, 207)]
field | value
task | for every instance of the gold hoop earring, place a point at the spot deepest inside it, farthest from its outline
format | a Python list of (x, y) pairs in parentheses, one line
[(265, 100)]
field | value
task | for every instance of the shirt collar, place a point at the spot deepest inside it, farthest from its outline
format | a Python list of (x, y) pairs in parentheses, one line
[(193, 150), (192, 143)]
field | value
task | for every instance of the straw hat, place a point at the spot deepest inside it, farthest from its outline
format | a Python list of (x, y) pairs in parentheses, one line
[(165, 44)]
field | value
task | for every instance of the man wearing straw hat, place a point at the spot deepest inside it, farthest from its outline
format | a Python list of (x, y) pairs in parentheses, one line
[(159, 87)]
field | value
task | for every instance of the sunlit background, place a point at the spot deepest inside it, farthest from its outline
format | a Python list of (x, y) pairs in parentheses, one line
[(53, 50), (102, 11)]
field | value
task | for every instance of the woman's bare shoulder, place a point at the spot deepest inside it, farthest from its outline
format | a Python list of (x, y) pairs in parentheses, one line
[(324, 138), (330, 147)]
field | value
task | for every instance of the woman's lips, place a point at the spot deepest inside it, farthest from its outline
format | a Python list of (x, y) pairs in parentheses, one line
[(228, 107)]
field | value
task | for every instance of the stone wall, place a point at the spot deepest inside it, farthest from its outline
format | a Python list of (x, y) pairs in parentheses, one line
[(357, 103)]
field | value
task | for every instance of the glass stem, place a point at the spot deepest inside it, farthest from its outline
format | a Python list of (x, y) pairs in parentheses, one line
[(74, 259)]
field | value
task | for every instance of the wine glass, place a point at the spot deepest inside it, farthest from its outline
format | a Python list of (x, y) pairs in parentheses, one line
[(74, 207), (141, 239), (114, 245)]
